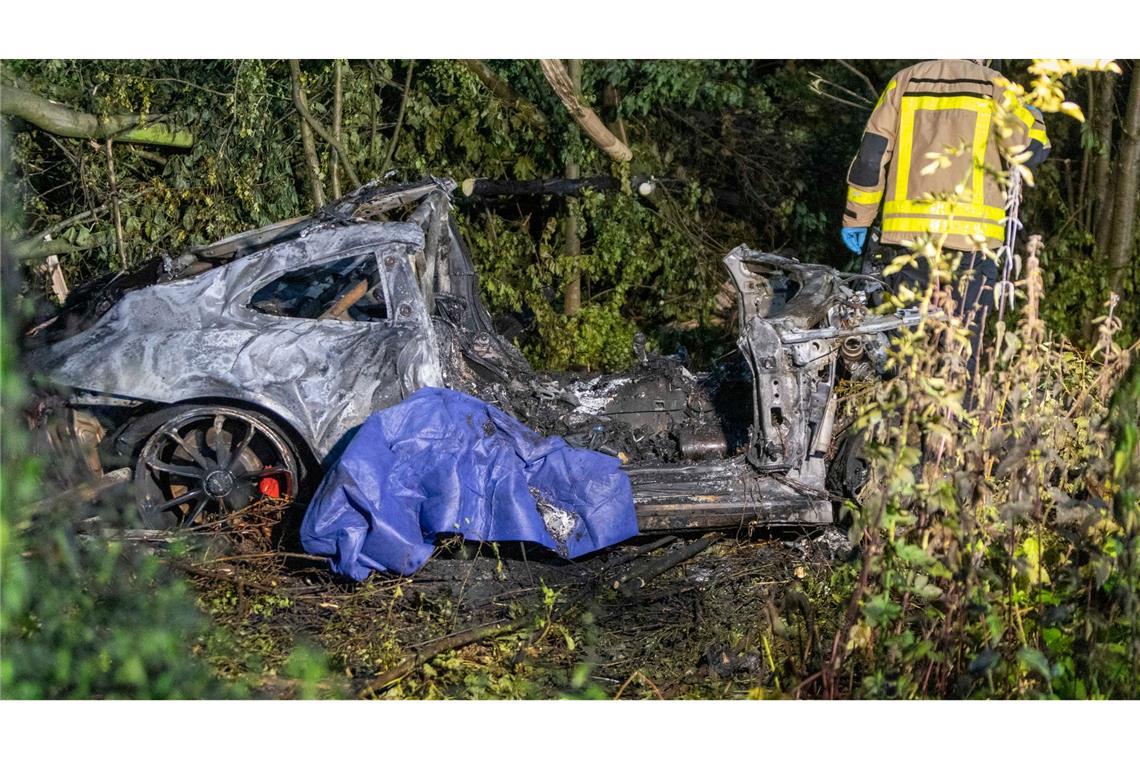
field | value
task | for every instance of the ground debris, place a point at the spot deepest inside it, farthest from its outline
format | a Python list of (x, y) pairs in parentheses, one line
[(513, 620)]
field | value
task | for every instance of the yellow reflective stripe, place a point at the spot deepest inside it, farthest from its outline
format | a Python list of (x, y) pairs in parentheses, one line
[(944, 208), (947, 226), (981, 105), (861, 196), (906, 137), (1040, 136), (956, 103), (883, 96), (981, 140), (1025, 115)]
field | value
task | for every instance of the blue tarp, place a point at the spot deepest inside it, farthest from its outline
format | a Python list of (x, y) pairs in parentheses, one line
[(441, 462)]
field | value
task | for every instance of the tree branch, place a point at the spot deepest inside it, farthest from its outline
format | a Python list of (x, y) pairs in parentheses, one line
[(303, 109), (819, 82), (559, 80), (38, 246), (61, 120), (312, 165), (503, 91), (334, 169), (863, 77), (399, 120)]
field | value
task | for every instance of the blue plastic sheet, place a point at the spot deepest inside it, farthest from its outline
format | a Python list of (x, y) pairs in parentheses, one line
[(441, 462)]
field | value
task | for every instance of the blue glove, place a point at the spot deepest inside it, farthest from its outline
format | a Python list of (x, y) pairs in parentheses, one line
[(853, 238)]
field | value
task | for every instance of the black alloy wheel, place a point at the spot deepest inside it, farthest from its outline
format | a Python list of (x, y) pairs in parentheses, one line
[(208, 461)]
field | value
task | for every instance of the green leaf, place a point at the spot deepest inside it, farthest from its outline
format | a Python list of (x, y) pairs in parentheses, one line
[(1035, 661)]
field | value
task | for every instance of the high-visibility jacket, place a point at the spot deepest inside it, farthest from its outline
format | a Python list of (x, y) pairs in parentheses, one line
[(928, 108)]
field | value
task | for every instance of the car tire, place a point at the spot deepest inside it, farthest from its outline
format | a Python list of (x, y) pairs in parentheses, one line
[(206, 461)]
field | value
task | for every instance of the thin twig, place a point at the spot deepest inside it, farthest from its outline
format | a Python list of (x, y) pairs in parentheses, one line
[(644, 679), (863, 77), (116, 214), (816, 87)]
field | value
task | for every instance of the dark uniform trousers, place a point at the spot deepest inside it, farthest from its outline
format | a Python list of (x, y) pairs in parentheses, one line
[(973, 289)]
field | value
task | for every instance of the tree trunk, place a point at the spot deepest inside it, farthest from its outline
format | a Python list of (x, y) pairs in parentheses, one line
[(1103, 116), (334, 168), (373, 116), (312, 165), (1085, 203), (1121, 247), (572, 298), (503, 91), (67, 122), (563, 86)]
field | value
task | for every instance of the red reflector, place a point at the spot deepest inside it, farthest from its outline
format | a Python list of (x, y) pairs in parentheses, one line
[(270, 487)]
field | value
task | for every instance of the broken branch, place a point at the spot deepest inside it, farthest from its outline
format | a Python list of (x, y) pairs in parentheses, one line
[(64, 121), (562, 85), (486, 188), (636, 579)]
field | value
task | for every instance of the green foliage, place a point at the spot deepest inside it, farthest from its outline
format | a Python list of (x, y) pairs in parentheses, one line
[(80, 616)]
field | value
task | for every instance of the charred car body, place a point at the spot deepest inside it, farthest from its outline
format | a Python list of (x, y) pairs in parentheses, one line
[(252, 360)]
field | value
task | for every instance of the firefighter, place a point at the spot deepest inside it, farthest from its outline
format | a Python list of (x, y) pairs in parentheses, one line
[(935, 107)]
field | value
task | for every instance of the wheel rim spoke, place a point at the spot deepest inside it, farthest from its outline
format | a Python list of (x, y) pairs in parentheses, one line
[(178, 500), (197, 510), (235, 453), (193, 454), (183, 471)]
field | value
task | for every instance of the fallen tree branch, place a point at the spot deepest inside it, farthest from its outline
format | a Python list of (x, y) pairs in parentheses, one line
[(31, 247), (560, 82), (503, 91), (42, 249), (300, 102), (637, 578), (640, 551), (64, 121), (486, 188)]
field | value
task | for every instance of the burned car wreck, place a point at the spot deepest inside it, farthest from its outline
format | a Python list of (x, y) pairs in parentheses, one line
[(250, 362)]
